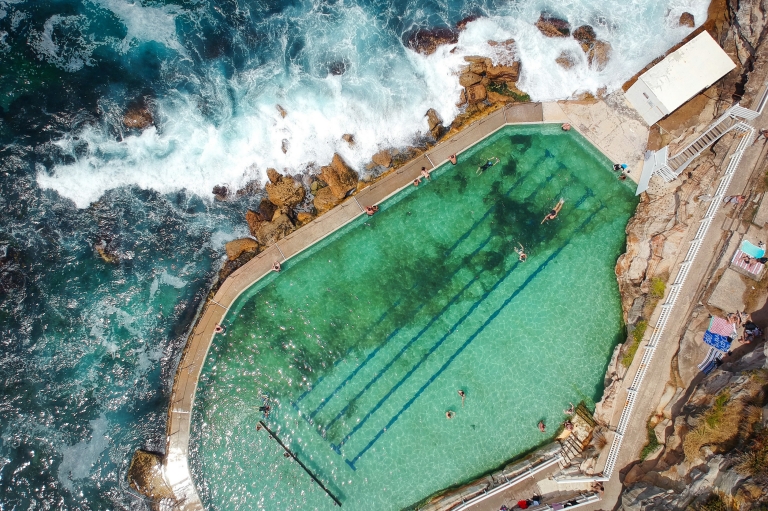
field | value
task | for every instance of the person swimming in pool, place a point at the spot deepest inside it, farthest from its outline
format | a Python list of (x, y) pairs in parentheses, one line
[(521, 253), (488, 164), (542, 427), (553, 213)]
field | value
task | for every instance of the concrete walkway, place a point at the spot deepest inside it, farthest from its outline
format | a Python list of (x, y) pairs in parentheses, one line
[(598, 121)]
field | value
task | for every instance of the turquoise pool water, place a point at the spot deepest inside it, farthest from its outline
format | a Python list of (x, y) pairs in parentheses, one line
[(360, 345)]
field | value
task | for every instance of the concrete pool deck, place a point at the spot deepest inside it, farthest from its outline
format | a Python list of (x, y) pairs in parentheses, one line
[(610, 125)]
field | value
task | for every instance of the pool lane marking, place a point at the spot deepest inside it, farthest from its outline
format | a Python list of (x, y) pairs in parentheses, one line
[(447, 253), (361, 422), (471, 338)]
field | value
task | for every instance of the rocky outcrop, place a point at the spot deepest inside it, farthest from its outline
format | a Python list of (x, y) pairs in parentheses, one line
[(235, 248), (340, 177), (138, 117), (270, 232), (483, 81), (265, 213), (566, 60), (145, 475), (383, 158), (551, 26), (436, 128), (686, 20), (476, 93), (284, 191), (220, 192), (325, 200), (509, 73), (598, 54), (585, 34), (348, 138), (426, 41)]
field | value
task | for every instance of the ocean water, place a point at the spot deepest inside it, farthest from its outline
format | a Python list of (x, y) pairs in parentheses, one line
[(89, 347), (360, 345)]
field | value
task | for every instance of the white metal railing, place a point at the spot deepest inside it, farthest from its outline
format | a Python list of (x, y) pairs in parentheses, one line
[(674, 292)]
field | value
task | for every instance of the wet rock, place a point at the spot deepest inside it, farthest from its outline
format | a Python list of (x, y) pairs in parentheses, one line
[(509, 73), (138, 117), (462, 24), (284, 146), (598, 54), (265, 213), (252, 187), (435, 123), (468, 79), (426, 41), (273, 175), (551, 26), (267, 209), (270, 232), (220, 192), (282, 111), (462, 98), (382, 158), (235, 248), (509, 44), (478, 65), (348, 138), (145, 475), (325, 200), (340, 178), (285, 191), (566, 60), (337, 68), (106, 254), (585, 34), (687, 20), (476, 94)]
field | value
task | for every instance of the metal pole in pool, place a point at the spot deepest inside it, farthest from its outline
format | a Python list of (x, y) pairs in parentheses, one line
[(300, 463)]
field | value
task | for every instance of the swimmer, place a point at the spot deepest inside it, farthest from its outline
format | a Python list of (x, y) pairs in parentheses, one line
[(568, 425), (521, 253), (452, 159), (219, 329), (463, 395), (286, 454), (542, 427), (570, 411), (416, 182), (488, 164), (265, 409), (449, 414), (553, 213), (276, 267), (566, 127), (424, 172)]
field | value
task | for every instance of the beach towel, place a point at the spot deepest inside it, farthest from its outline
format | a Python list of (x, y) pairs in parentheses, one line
[(722, 326), (718, 341), (738, 260), (751, 250), (710, 361)]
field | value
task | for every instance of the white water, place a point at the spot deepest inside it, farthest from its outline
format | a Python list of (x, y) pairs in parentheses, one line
[(381, 99)]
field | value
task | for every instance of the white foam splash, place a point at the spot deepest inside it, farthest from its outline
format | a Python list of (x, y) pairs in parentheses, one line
[(79, 459), (381, 98)]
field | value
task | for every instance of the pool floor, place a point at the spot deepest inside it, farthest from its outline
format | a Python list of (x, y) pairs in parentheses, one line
[(360, 345)]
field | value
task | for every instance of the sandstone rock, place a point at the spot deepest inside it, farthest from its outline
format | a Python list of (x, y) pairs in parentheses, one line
[(426, 41), (382, 158), (509, 44), (138, 117), (433, 118), (462, 24), (585, 34), (273, 175), (270, 232), (267, 209), (462, 98), (286, 192), (476, 93), (220, 192), (236, 247), (598, 54), (468, 79), (686, 20), (348, 138), (254, 220), (566, 60), (509, 73), (325, 200), (282, 111), (340, 178), (105, 253), (145, 475), (553, 27), (495, 97), (304, 218)]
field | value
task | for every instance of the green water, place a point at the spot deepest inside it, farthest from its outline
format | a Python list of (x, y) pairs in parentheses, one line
[(360, 344)]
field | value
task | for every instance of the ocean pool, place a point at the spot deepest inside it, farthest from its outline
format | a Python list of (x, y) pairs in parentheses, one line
[(360, 345)]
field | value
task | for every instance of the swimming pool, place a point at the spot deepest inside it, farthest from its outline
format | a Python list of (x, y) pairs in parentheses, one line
[(360, 345)]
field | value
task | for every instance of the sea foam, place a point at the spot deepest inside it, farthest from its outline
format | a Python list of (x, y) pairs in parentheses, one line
[(381, 98)]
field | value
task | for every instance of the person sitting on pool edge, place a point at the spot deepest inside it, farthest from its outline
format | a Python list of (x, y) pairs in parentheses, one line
[(554, 211), (370, 210), (425, 172), (276, 267), (488, 164)]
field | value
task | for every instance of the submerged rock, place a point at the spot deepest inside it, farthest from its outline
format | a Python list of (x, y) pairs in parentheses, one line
[(282, 111), (687, 20), (340, 178), (252, 187), (585, 34), (426, 40), (138, 117), (102, 249), (337, 68), (462, 24), (566, 60), (220, 192), (348, 138), (285, 191), (551, 26), (235, 248)]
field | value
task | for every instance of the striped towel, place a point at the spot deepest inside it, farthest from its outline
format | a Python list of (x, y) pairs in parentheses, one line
[(755, 268), (710, 361), (722, 326), (718, 341)]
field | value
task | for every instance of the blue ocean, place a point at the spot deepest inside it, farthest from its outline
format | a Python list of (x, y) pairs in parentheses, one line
[(110, 237)]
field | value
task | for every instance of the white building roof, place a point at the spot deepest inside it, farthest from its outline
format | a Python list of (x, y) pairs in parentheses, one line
[(681, 75)]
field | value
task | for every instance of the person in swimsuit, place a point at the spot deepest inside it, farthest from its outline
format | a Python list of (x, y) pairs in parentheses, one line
[(276, 267), (542, 427), (370, 210), (553, 213), (463, 395), (452, 158), (488, 164), (424, 172), (570, 410), (521, 253), (450, 414)]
